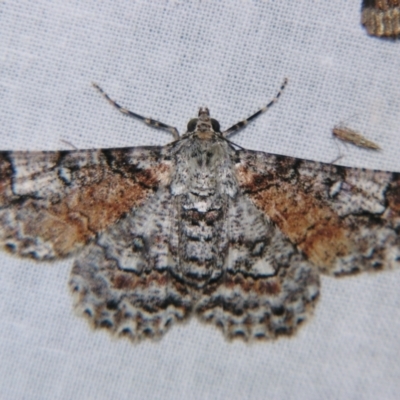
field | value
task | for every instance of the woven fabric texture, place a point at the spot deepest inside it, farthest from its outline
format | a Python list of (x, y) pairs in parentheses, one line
[(164, 59)]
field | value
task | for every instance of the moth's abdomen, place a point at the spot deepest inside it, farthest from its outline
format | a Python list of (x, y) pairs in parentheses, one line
[(202, 241)]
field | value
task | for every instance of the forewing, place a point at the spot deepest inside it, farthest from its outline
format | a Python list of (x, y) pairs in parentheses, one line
[(54, 203), (343, 219)]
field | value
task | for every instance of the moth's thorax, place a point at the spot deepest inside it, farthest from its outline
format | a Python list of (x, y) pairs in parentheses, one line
[(205, 135), (204, 129), (204, 167)]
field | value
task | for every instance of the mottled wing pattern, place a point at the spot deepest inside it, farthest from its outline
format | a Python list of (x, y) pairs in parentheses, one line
[(54, 203), (268, 288), (123, 280), (193, 249), (344, 220), (114, 203), (236, 237)]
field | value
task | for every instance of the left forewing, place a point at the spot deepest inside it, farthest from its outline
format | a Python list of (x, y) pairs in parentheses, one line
[(53, 203), (343, 219)]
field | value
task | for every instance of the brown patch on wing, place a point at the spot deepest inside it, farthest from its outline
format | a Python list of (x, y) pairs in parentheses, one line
[(308, 222), (262, 286), (393, 199), (86, 211), (97, 198), (129, 281)]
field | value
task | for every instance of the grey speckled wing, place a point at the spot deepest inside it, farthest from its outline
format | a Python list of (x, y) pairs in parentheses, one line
[(268, 287)]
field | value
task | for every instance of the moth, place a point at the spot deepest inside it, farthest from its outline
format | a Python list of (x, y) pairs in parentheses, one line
[(199, 227), (350, 136), (381, 18)]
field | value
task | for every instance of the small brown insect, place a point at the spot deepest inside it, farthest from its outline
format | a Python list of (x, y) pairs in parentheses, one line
[(350, 136), (381, 17)]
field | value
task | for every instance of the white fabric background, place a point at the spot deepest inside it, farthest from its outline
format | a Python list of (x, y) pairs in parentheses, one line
[(164, 60)]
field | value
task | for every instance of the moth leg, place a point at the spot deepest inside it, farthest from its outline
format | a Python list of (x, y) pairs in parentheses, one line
[(151, 122), (241, 124), (340, 155)]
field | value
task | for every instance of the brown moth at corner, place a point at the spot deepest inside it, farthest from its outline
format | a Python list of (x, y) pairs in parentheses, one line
[(198, 227), (381, 18)]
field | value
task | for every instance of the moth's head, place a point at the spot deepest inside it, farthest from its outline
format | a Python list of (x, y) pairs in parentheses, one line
[(203, 127)]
